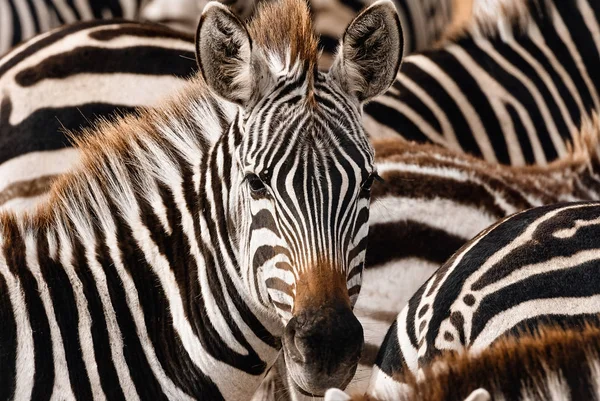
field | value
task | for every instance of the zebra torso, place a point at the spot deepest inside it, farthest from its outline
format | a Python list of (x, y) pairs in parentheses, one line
[(67, 80), (535, 267)]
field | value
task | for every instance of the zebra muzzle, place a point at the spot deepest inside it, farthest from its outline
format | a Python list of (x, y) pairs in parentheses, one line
[(322, 347)]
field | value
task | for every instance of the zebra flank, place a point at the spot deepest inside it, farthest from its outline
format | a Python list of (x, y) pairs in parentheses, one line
[(433, 201), (550, 364)]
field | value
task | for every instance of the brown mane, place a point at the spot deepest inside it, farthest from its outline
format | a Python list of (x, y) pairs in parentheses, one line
[(284, 26), (512, 365)]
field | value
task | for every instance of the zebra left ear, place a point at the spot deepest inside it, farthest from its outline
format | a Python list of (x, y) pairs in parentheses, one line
[(224, 53), (369, 54)]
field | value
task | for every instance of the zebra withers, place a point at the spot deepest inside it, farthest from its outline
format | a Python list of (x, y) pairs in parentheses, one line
[(535, 267), (551, 364), (185, 249)]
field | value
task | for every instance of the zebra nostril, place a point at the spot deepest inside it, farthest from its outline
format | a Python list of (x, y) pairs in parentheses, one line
[(290, 341)]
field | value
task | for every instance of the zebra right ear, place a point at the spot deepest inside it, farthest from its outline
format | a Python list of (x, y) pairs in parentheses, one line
[(480, 394), (224, 53), (370, 52)]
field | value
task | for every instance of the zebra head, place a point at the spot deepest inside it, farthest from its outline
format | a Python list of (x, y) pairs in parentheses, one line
[(305, 169)]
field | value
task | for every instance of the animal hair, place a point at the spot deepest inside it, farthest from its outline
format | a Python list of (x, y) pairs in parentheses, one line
[(284, 29), (489, 18), (551, 363)]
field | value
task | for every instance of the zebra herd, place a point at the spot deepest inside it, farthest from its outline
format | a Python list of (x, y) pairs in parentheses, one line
[(213, 245)]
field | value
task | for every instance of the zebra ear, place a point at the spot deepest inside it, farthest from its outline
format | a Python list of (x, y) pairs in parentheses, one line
[(370, 52), (480, 394), (224, 53), (334, 394)]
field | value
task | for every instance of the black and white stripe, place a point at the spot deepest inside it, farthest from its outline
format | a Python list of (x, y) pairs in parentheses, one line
[(23, 19), (535, 267)]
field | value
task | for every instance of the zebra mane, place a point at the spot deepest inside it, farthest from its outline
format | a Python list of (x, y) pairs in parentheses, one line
[(151, 146), (548, 364), (538, 365), (283, 29)]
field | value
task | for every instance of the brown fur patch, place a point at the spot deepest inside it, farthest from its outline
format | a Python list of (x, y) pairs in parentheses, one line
[(507, 365), (285, 25), (484, 17), (319, 286), (27, 188)]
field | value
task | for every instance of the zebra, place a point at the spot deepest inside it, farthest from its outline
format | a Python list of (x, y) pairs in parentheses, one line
[(510, 87), (549, 364), (534, 267), (184, 250), (393, 219)]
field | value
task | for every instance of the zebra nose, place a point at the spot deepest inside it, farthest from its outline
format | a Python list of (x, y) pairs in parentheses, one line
[(325, 344)]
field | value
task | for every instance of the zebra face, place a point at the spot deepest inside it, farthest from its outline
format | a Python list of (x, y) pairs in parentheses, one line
[(305, 168)]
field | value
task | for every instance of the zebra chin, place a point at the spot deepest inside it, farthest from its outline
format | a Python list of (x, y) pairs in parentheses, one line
[(323, 341)]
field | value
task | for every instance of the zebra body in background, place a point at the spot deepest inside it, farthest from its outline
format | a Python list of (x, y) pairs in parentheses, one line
[(23, 19), (535, 267), (550, 364), (100, 69), (120, 63), (510, 88), (182, 252)]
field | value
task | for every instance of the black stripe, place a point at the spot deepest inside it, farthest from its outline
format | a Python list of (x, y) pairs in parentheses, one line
[(8, 339), (99, 329), (98, 60), (16, 27), (34, 16), (395, 120), (403, 239), (578, 282), (43, 129), (67, 318), (142, 30), (14, 250), (47, 41)]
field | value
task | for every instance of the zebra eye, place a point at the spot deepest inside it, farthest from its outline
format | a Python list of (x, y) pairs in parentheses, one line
[(368, 183), (256, 184)]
